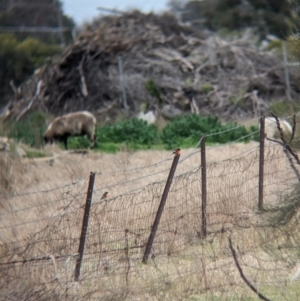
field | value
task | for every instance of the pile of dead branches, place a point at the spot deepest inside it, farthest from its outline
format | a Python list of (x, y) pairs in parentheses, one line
[(190, 70)]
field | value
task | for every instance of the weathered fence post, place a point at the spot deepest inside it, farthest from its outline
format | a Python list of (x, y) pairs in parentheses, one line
[(84, 225), (261, 164), (286, 71), (160, 208), (120, 64), (203, 187)]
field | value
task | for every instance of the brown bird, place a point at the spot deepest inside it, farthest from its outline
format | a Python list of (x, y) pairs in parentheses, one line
[(105, 195), (176, 152)]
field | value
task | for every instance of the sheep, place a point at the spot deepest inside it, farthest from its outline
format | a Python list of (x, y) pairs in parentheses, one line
[(72, 124), (271, 129)]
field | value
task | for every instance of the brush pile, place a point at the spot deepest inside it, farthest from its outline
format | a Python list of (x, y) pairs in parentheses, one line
[(164, 62)]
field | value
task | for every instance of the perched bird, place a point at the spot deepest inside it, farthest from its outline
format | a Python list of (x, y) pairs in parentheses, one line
[(176, 152), (105, 195)]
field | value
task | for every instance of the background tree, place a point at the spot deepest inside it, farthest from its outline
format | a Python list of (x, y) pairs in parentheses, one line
[(21, 52), (36, 14), (274, 17)]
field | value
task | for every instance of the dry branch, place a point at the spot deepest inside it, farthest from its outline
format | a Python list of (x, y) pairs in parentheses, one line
[(13, 86), (286, 147), (84, 89), (174, 55), (255, 290)]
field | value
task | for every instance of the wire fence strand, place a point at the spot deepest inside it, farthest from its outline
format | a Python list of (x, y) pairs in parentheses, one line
[(41, 239)]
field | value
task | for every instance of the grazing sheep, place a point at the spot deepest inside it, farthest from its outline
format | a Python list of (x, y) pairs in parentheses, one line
[(272, 131), (72, 124)]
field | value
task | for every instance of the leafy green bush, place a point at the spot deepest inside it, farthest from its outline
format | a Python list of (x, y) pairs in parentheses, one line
[(78, 142), (187, 130), (30, 130), (134, 130), (108, 147)]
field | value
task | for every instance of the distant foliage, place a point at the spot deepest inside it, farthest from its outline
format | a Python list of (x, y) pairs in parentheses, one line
[(267, 17), (22, 52), (135, 130), (36, 13), (186, 131), (18, 59), (30, 130)]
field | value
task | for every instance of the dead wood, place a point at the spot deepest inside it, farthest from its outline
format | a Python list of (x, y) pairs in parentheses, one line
[(243, 78), (248, 283)]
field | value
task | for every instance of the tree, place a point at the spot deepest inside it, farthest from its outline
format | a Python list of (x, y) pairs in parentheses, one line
[(36, 14), (264, 16), (21, 52), (19, 59)]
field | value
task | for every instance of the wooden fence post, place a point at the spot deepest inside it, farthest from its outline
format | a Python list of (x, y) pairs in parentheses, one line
[(261, 164), (160, 208), (85, 223), (203, 188)]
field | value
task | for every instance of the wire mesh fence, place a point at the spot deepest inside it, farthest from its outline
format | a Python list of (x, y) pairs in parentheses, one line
[(182, 264)]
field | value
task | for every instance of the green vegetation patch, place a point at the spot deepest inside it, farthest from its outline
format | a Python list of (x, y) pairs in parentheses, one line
[(19, 59), (135, 134), (186, 131), (134, 131), (35, 154), (78, 142), (152, 89), (29, 130), (108, 147)]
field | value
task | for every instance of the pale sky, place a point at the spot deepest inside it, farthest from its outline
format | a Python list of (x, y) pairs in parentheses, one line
[(86, 10)]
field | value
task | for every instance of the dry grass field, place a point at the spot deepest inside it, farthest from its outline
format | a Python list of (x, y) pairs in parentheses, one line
[(42, 206)]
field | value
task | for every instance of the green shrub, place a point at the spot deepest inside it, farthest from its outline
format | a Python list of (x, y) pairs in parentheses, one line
[(131, 131), (151, 87), (29, 130), (108, 147), (185, 131), (78, 142)]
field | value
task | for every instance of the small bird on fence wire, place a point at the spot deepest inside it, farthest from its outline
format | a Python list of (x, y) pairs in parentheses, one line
[(176, 152), (104, 196)]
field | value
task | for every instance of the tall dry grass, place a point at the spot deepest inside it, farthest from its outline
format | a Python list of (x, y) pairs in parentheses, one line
[(40, 230)]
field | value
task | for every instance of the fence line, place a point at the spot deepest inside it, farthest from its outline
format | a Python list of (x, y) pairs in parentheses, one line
[(119, 228)]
